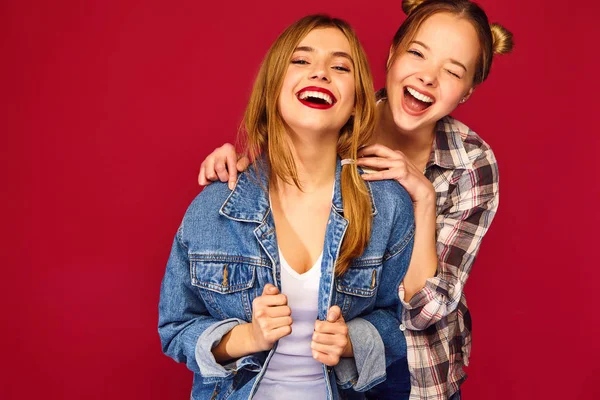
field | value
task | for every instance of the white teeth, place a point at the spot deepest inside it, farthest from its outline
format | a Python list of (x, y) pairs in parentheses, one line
[(318, 95), (419, 96)]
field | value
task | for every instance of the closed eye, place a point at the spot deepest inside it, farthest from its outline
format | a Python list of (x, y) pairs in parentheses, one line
[(453, 74), (300, 62), (416, 53), (341, 68)]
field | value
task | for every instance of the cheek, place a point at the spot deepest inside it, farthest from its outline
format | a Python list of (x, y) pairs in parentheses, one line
[(287, 92), (289, 81), (455, 91), (347, 88), (451, 93), (399, 69), (351, 96)]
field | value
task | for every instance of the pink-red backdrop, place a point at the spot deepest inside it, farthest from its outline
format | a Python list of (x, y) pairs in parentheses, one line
[(108, 108)]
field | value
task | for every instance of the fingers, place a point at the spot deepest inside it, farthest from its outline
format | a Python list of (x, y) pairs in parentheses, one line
[(243, 163), (323, 358), (269, 298), (231, 161), (202, 181), (334, 314), (380, 151), (277, 333), (330, 338), (274, 323), (334, 349), (209, 168), (395, 174), (385, 164), (271, 318), (385, 168), (279, 311), (225, 161), (270, 289), (262, 310), (327, 339), (222, 164), (218, 164), (267, 333), (335, 328), (380, 162), (221, 170), (272, 300)]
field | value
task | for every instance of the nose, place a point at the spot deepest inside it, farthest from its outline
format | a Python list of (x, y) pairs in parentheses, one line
[(320, 72), (428, 77)]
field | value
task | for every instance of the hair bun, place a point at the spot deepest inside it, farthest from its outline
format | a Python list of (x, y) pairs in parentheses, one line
[(409, 5), (502, 39)]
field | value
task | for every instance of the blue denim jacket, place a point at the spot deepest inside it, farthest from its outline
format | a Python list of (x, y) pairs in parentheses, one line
[(225, 252)]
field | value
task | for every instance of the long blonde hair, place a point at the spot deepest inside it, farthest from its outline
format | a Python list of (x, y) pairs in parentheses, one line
[(265, 130)]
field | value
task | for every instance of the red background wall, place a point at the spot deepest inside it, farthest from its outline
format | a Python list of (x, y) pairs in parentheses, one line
[(108, 108)]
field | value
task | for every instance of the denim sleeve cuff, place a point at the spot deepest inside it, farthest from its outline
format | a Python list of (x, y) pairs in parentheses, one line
[(367, 368), (210, 369)]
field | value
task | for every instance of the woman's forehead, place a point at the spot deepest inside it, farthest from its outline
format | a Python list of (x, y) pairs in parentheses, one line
[(444, 32), (325, 38)]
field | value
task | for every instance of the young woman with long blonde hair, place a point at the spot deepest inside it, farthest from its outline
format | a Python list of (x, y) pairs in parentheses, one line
[(284, 287)]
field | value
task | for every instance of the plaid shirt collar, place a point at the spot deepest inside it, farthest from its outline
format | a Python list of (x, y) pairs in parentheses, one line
[(448, 148)]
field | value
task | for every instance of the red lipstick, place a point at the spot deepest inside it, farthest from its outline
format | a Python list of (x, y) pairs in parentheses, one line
[(316, 97)]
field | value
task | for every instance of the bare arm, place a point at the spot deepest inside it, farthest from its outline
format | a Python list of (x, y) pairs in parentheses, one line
[(433, 287), (394, 165), (424, 260), (235, 344), (271, 320)]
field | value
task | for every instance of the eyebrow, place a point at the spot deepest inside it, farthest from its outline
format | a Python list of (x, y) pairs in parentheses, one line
[(453, 61), (333, 53)]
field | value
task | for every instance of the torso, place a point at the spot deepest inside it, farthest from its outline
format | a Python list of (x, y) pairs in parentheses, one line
[(301, 222), (292, 373)]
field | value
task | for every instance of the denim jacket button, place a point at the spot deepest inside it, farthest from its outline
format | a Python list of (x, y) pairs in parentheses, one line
[(402, 327)]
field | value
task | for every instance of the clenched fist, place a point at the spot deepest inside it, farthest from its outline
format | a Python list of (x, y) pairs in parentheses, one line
[(330, 339), (271, 318)]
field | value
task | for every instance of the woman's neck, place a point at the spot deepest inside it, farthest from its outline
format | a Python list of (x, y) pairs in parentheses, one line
[(315, 160), (416, 145)]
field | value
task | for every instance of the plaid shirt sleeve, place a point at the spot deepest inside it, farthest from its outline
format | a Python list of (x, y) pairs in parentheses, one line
[(461, 225)]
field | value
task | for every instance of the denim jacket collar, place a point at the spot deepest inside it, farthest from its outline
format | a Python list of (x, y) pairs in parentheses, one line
[(249, 200)]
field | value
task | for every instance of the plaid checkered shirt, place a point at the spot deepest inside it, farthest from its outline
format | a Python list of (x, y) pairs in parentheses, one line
[(436, 320)]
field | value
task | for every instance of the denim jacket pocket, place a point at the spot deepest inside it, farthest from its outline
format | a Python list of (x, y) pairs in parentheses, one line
[(224, 285), (358, 286)]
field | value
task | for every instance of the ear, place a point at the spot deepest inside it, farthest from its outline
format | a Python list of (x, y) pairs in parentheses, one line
[(390, 57), (467, 95)]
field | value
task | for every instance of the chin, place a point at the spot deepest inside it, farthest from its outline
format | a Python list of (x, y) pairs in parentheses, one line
[(316, 127), (410, 123), (407, 123)]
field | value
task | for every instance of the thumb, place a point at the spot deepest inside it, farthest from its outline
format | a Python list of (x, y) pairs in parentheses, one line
[(334, 314), (270, 289)]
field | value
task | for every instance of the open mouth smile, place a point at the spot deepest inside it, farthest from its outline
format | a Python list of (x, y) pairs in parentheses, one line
[(416, 102), (316, 97)]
